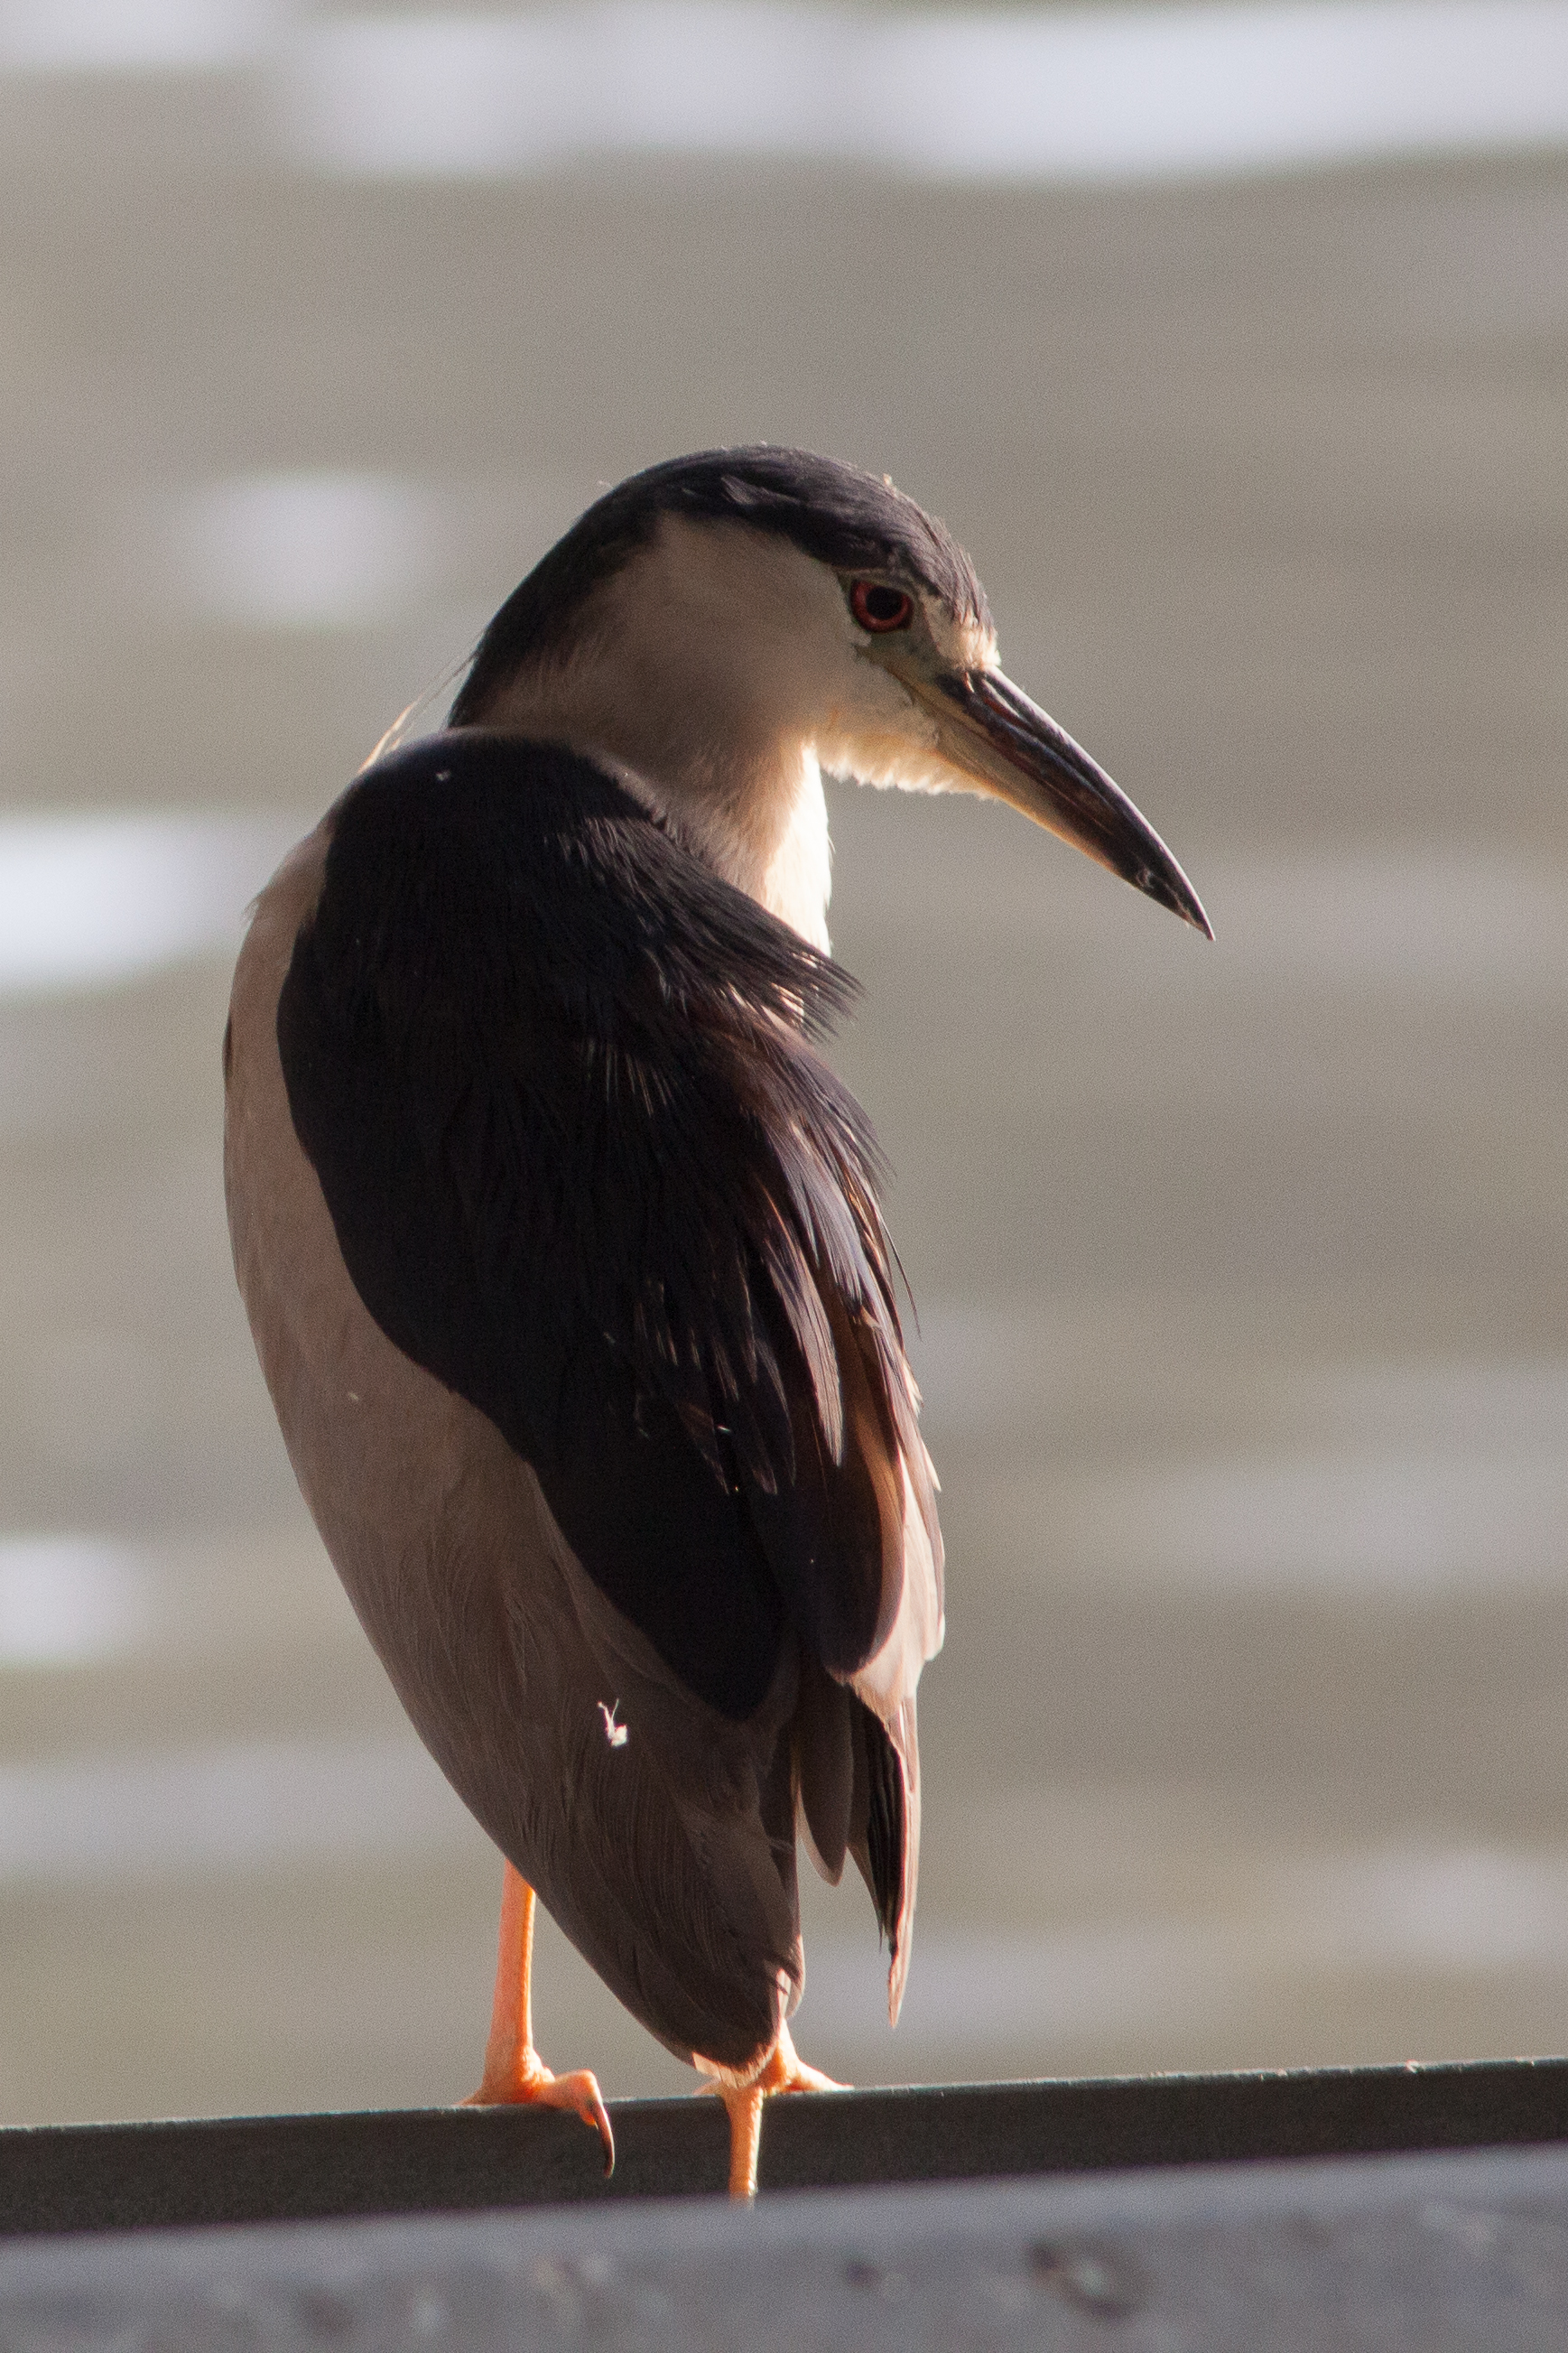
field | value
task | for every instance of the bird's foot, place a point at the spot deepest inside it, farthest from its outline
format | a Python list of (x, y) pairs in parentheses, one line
[(524, 2081), (783, 2069)]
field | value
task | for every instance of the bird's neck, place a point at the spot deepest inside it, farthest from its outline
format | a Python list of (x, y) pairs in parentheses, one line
[(739, 789)]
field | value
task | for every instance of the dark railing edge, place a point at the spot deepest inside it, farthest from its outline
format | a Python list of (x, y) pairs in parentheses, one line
[(169, 2172)]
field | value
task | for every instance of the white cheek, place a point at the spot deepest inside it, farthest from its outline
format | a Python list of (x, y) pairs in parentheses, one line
[(906, 772), (885, 737)]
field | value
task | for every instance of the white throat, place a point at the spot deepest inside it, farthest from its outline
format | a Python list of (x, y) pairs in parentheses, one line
[(796, 882)]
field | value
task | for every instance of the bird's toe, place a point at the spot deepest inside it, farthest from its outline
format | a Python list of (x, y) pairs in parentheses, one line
[(528, 2083)]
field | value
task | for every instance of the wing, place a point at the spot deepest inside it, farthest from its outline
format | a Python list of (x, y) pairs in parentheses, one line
[(586, 1167)]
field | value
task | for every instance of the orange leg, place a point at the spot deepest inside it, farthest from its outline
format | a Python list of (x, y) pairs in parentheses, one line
[(783, 2071), (515, 2076)]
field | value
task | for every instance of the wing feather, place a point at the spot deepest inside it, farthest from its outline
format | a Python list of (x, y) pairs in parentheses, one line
[(586, 1166)]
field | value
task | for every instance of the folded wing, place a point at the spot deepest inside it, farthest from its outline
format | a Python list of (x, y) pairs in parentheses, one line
[(585, 1166)]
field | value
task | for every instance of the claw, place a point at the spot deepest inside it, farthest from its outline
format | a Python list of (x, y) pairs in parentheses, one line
[(515, 2076), (527, 2083)]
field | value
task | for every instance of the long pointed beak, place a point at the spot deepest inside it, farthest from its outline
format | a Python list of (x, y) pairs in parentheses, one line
[(992, 731)]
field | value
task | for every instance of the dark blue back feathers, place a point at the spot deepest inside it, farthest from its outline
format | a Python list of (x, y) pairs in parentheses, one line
[(586, 1167)]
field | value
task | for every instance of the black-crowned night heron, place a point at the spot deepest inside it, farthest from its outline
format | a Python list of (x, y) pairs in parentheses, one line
[(561, 1244)]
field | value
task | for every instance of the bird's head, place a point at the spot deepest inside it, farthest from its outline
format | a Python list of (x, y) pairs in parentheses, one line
[(724, 627)]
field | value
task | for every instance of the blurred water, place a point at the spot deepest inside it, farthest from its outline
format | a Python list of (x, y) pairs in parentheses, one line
[(1382, 1913), (307, 551), (136, 36), (68, 1600), (101, 1821), (1086, 95), (93, 901)]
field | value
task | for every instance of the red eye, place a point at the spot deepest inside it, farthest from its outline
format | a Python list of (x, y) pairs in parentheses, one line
[(877, 608)]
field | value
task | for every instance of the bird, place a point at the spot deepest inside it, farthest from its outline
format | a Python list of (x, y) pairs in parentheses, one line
[(561, 1242)]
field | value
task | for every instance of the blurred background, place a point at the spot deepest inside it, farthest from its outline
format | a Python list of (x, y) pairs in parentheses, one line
[(1231, 341)]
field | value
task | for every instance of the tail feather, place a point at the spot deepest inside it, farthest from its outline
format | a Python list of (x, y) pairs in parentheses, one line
[(885, 1832)]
